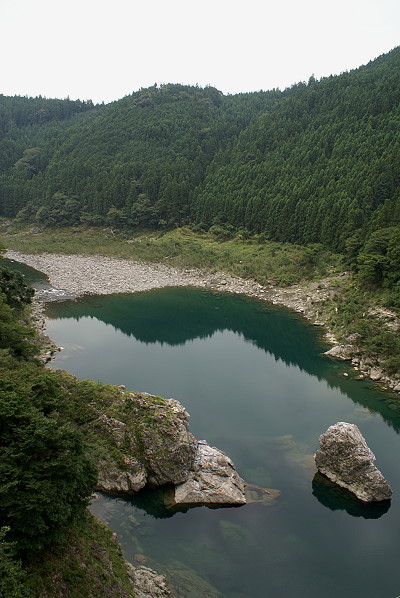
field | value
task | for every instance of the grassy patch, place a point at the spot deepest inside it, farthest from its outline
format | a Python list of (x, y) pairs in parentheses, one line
[(262, 261), (89, 564)]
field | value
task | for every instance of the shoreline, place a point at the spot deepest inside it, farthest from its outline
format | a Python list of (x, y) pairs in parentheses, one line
[(73, 276)]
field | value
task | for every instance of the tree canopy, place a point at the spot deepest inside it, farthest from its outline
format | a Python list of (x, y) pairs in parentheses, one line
[(316, 163)]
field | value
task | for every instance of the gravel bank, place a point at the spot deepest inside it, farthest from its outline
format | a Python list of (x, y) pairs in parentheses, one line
[(76, 275)]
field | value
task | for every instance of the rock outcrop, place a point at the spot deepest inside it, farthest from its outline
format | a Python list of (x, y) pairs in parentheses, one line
[(112, 478), (343, 352), (146, 441), (345, 458), (212, 480), (147, 583), (162, 434)]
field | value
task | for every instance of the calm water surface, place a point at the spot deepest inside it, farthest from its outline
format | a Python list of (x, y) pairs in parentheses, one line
[(252, 378)]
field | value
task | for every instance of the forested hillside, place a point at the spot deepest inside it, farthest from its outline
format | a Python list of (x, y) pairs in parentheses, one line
[(321, 166), (317, 163), (133, 163)]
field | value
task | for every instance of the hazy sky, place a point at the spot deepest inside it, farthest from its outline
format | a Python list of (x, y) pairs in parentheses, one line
[(105, 50)]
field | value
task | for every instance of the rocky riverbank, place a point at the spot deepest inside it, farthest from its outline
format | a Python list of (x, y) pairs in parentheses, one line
[(74, 275)]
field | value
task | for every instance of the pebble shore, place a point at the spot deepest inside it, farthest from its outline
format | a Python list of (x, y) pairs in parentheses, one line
[(72, 276), (76, 275)]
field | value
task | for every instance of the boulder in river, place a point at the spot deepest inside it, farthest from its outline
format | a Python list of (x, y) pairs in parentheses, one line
[(143, 440), (345, 458), (212, 480)]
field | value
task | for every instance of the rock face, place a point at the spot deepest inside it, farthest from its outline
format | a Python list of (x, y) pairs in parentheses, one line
[(345, 458), (376, 373), (147, 441), (213, 480), (162, 432), (147, 583), (343, 352), (112, 479)]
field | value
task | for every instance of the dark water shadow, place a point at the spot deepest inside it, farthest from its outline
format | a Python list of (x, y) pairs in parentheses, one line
[(336, 498), (153, 501), (175, 316)]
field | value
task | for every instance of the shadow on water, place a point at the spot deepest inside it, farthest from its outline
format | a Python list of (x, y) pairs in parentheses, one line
[(174, 316), (33, 277), (153, 502), (336, 498)]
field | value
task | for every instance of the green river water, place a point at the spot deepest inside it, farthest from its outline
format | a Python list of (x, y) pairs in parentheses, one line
[(254, 381)]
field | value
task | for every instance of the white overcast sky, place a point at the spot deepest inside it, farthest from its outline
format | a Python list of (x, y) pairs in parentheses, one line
[(104, 50)]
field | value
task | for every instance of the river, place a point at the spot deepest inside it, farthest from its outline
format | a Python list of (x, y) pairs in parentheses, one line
[(255, 383)]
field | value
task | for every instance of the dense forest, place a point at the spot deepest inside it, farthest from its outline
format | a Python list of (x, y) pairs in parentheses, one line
[(45, 529), (316, 163)]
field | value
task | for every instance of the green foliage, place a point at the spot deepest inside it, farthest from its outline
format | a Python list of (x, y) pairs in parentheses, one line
[(13, 286), (15, 337), (140, 158), (379, 259), (320, 166), (11, 574), (89, 564), (60, 211), (45, 473), (46, 476), (317, 163), (244, 255)]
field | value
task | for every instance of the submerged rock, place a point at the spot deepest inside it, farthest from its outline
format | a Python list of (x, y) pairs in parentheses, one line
[(212, 480), (345, 458), (185, 581), (257, 494)]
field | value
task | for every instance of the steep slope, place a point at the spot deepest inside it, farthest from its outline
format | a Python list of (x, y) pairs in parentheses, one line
[(317, 167), (137, 160)]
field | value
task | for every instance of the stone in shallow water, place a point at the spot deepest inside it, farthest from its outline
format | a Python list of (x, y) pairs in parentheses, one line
[(264, 496), (345, 458), (343, 352), (213, 480)]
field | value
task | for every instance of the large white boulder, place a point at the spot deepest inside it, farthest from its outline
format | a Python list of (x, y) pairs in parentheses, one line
[(345, 458), (213, 480)]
